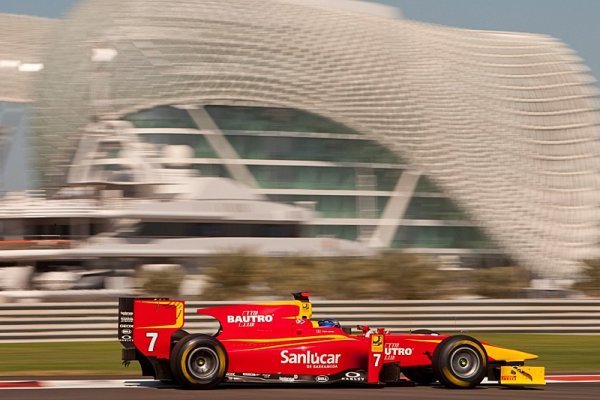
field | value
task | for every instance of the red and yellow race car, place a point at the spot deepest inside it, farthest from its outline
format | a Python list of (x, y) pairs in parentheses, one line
[(279, 342)]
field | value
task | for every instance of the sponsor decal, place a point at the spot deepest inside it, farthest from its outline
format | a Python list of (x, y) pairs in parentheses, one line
[(377, 343), (311, 359), (125, 320), (125, 332), (125, 329), (522, 372), (249, 319), (522, 375), (394, 350), (288, 378), (353, 376), (249, 374), (322, 378)]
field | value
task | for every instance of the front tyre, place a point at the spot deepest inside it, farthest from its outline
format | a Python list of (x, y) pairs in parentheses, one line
[(199, 361), (460, 362)]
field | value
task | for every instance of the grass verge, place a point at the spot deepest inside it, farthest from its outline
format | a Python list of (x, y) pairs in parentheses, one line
[(64, 358), (558, 353)]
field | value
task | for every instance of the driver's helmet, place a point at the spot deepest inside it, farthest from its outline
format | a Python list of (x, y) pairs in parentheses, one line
[(329, 323)]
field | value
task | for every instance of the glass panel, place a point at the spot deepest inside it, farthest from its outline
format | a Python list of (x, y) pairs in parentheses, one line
[(161, 117), (337, 207), (212, 170), (303, 177), (426, 186), (272, 119), (197, 142), (387, 179), (113, 172), (433, 208), (312, 149), (192, 229), (441, 237), (349, 232), (381, 203), (108, 150)]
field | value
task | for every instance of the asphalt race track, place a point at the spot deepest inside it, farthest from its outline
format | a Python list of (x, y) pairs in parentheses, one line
[(141, 389)]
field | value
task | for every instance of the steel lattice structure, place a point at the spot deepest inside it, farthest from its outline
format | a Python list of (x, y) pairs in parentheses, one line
[(505, 123)]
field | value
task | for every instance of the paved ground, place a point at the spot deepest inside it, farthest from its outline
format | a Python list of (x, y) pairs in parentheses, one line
[(138, 389)]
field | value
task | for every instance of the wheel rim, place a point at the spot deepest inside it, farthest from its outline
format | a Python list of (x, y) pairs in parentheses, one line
[(465, 362), (203, 363)]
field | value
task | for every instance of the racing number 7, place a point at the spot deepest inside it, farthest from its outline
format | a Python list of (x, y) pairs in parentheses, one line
[(377, 358), (153, 336)]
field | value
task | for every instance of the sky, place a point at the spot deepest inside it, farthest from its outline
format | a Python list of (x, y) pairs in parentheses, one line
[(575, 22)]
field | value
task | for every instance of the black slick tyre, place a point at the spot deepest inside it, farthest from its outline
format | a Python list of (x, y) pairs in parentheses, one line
[(198, 361), (177, 336), (424, 332), (460, 362)]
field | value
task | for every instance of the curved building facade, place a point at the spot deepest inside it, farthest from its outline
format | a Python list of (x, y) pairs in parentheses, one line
[(500, 129), (22, 43)]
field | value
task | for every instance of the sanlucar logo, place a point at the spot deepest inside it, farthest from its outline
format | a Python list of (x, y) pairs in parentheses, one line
[(310, 359), (249, 318)]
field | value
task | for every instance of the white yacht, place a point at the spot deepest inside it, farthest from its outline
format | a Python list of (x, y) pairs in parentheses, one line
[(130, 211)]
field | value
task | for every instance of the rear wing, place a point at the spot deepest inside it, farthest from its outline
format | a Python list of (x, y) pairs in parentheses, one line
[(146, 326), (125, 329)]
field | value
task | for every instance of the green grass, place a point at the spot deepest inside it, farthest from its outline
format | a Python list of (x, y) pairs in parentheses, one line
[(558, 353), (75, 358)]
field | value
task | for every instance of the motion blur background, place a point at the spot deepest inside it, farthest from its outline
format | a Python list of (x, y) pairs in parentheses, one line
[(246, 149)]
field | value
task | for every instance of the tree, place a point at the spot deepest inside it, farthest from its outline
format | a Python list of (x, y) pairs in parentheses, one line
[(590, 284), (163, 282)]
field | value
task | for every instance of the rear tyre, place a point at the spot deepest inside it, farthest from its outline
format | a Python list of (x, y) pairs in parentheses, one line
[(199, 361), (177, 336), (460, 362)]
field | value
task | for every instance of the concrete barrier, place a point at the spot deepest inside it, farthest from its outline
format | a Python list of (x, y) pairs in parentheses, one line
[(98, 320)]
